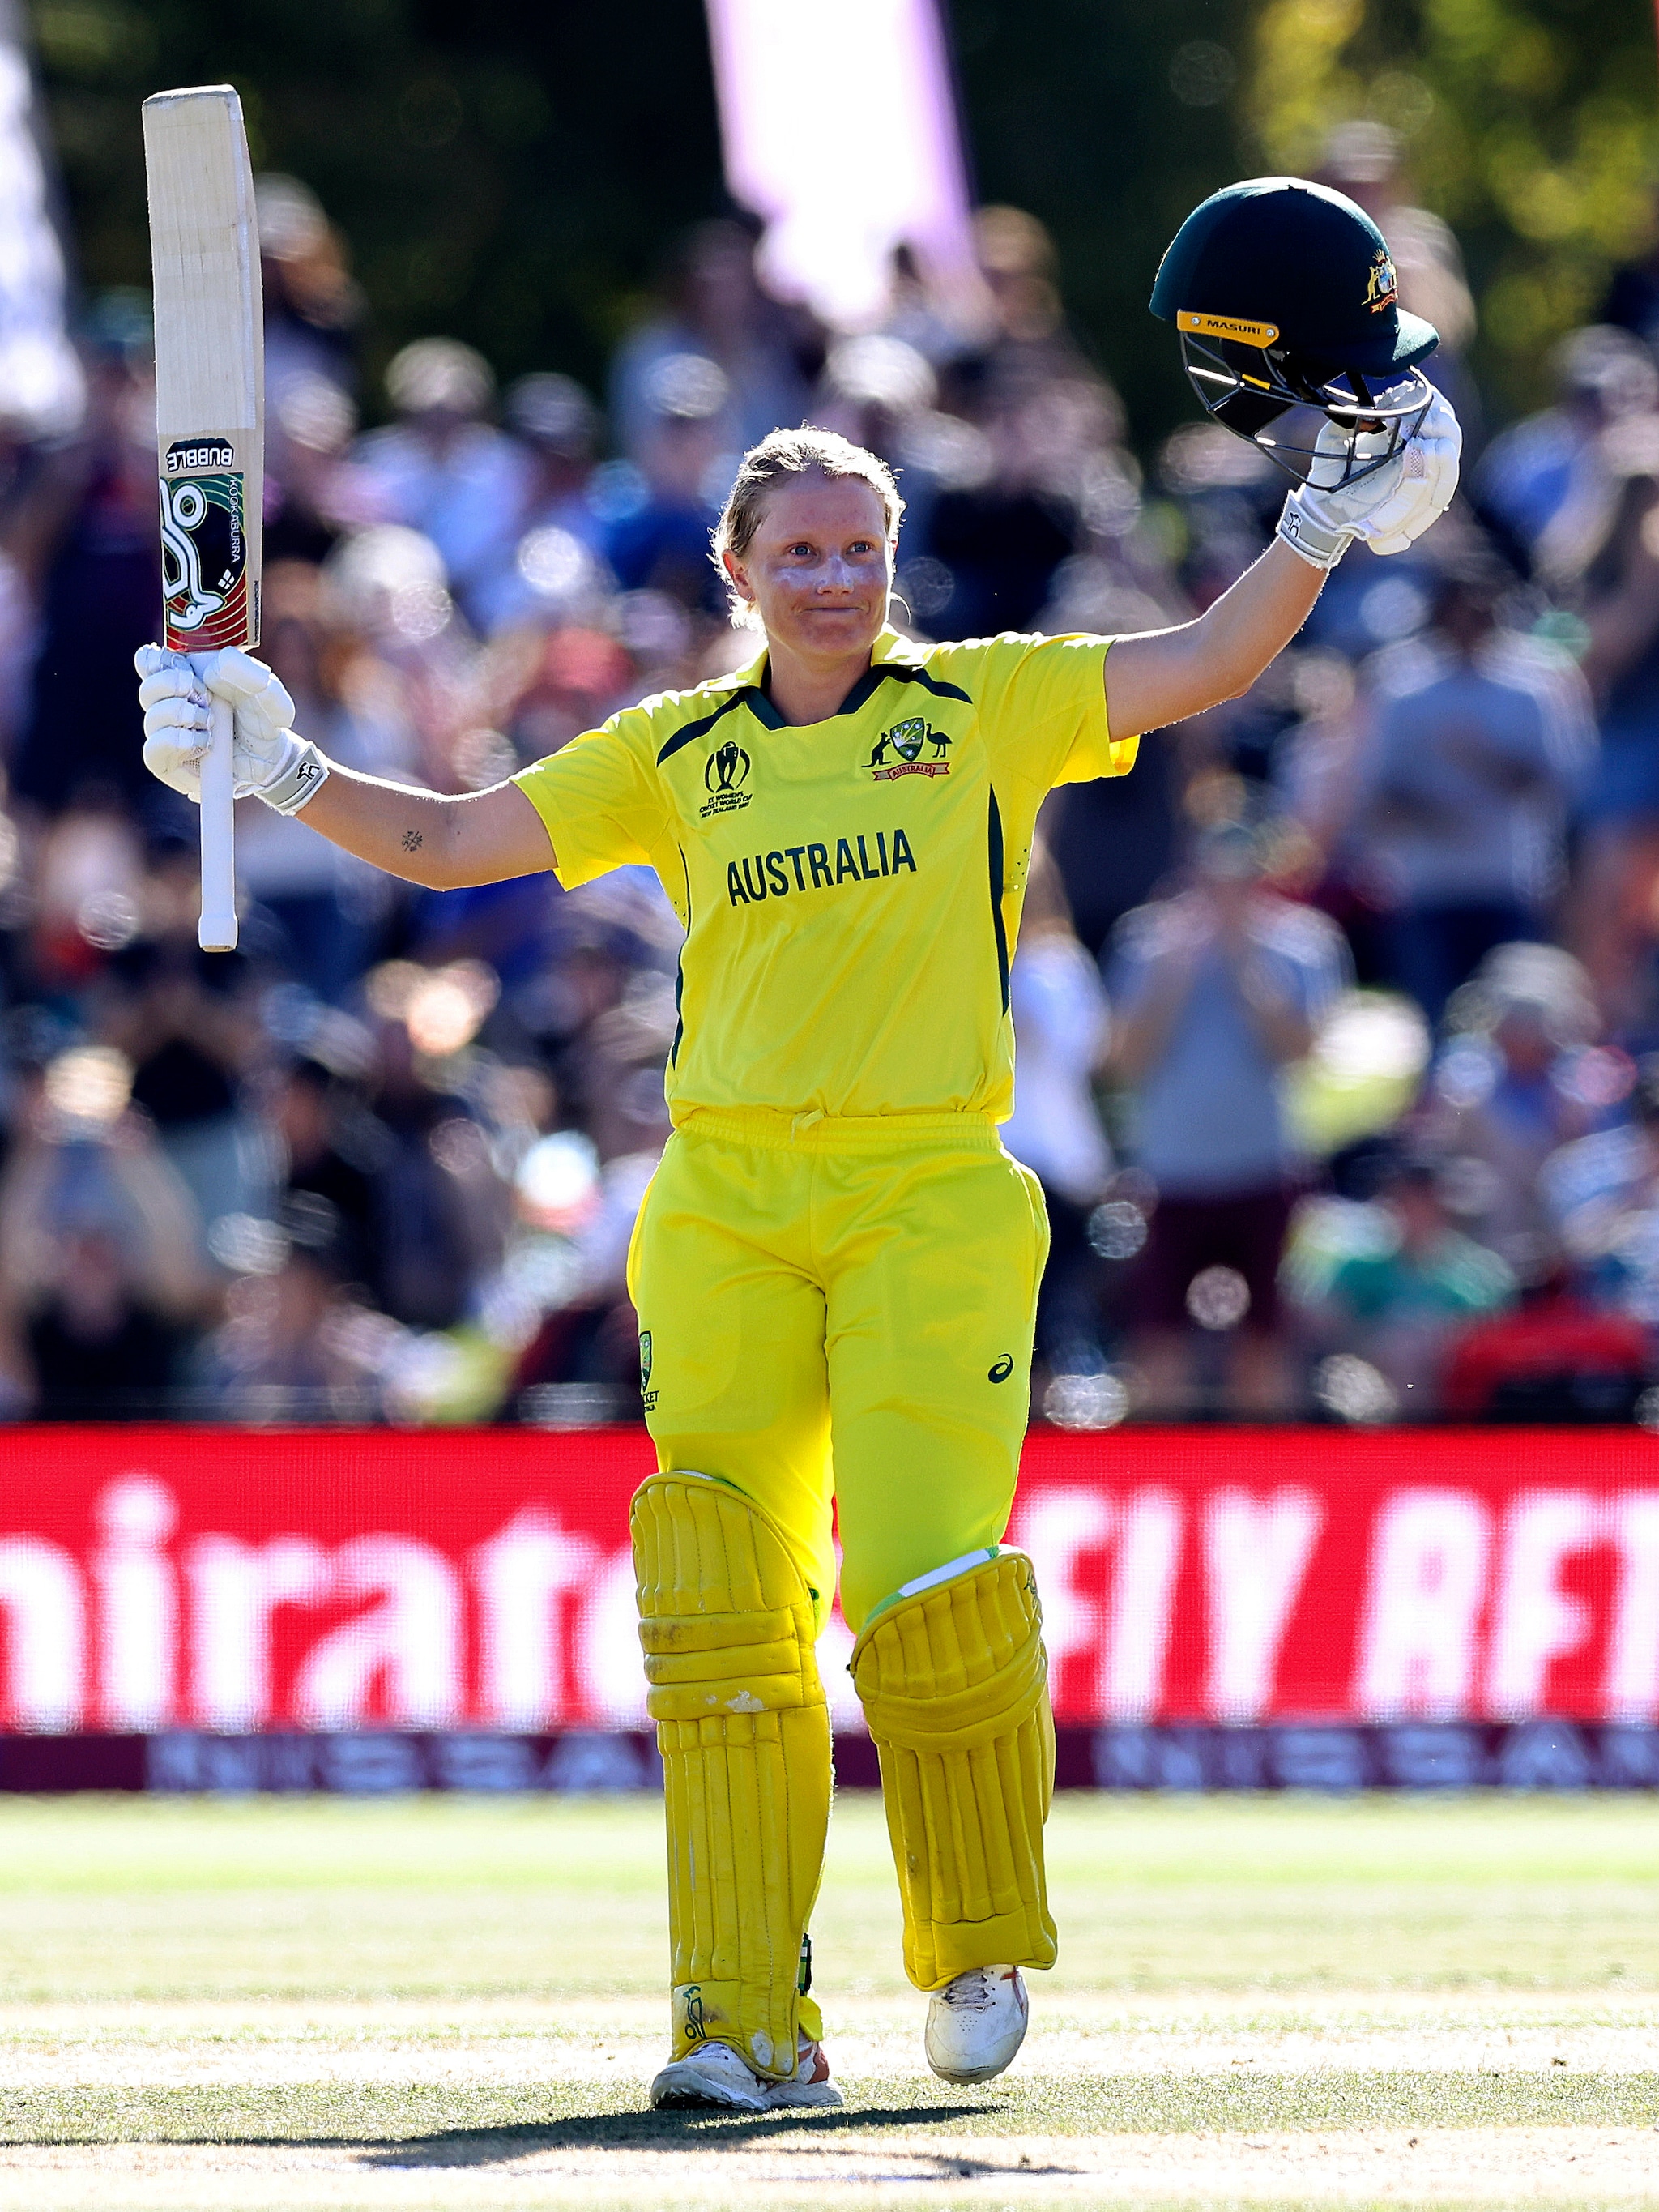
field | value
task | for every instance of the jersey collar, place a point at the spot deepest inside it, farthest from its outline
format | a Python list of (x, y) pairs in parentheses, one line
[(889, 650)]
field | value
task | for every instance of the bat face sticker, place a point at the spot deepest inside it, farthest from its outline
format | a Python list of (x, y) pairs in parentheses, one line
[(203, 560), (184, 509)]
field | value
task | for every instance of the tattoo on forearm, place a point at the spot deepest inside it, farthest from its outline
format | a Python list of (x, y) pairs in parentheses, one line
[(413, 841)]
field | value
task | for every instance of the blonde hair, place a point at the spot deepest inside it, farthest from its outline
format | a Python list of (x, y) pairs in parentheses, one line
[(780, 454)]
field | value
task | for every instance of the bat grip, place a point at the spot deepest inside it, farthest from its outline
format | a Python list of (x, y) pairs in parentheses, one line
[(216, 931)]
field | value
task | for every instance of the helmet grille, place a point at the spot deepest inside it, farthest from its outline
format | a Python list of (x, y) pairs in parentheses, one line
[(1324, 426)]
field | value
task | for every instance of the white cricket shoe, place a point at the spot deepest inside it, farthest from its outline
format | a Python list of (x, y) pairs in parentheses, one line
[(976, 2023), (716, 2078), (810, 2083)]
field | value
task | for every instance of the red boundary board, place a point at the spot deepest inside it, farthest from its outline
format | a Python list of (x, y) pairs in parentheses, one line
[(169, 1578)]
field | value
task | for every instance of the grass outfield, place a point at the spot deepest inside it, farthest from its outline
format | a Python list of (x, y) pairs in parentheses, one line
[(449, 2003)]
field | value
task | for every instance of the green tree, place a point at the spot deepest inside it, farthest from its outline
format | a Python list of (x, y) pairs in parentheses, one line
[(1110, 124), (507, 173), (511, 174), (1531, 125)]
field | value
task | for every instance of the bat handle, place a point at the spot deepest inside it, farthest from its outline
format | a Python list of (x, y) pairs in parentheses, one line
[(216, 931)]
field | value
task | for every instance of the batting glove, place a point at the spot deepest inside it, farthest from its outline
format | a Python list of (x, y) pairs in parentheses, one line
[(1387, 510), (268, 761)]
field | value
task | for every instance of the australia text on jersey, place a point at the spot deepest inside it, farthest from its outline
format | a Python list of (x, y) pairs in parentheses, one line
[(815, 868)]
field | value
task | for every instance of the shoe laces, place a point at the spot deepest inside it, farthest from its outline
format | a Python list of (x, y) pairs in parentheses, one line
[(974, 1992)]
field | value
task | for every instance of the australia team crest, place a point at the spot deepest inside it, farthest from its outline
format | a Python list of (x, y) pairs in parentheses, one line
[(1382, 286), (898, 751)]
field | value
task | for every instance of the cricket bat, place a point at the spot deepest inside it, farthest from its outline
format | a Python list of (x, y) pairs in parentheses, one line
[(209, 421)]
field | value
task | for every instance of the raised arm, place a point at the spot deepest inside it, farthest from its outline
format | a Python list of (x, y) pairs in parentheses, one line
[(1163, 676), (444, 843)]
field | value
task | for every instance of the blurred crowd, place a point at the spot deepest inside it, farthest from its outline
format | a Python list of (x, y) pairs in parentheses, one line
[(1337, 1022)]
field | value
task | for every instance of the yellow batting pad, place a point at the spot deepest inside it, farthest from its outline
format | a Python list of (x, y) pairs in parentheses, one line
[(727, 1622), (955, 1686)]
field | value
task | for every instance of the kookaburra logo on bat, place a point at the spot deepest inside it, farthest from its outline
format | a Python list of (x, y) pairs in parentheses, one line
[(189, 599)]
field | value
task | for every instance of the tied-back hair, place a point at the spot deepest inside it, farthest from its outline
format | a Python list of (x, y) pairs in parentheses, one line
[(781, 454)]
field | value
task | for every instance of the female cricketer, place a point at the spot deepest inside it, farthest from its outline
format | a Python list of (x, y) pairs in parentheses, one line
[(836, 1268)]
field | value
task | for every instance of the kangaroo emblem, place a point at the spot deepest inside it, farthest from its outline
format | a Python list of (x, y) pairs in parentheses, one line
[(898, 751)]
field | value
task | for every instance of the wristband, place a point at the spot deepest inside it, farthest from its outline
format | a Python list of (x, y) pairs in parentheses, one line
[(1320, 545), (297, 781)]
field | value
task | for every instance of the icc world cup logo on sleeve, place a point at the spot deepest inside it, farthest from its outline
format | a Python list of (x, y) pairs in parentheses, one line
[(725, 774), (204, 579)]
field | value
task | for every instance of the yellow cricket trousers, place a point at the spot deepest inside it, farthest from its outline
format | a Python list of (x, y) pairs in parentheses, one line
[(841, 1309)]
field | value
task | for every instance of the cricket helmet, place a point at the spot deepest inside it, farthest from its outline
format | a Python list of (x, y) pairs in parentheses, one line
[(1291, 331)]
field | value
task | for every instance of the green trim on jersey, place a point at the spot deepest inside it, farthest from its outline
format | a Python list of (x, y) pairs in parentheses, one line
[(998, 885), (832, 877)]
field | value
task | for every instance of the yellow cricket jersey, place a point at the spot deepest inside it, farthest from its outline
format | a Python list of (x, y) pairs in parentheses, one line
[(850, 889)]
